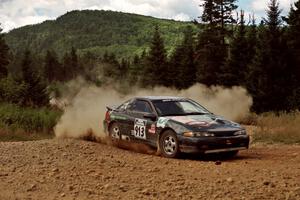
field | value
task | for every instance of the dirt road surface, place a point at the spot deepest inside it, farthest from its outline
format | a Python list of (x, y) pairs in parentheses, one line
[(76, 169)]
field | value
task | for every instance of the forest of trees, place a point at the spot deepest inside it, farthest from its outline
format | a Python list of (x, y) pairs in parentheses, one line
[(96, 31), (227, 50)]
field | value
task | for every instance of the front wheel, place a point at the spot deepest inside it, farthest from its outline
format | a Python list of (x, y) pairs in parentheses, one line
[(168, 144), (114, 134)]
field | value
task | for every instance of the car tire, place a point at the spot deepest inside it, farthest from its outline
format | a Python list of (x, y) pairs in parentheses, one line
[(114, 134), (168, 144)]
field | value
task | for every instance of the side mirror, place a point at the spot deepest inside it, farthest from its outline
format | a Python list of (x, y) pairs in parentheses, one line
[(151, 116)]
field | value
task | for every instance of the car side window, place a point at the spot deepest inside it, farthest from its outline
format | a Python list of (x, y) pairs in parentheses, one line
[(140, 106)]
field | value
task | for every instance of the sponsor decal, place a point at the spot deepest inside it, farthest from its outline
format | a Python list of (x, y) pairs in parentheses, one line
[(139, 130), (161, 122), (202, 123), (182, 119), (132, 132), (152, 129), (118, 117), (191, 121), (199, 123)]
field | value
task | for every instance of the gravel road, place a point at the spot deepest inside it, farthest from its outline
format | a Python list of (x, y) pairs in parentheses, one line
[(77, 169)]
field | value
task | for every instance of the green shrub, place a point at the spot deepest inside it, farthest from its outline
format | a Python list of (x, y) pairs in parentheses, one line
[(12, 91), (15, 118)]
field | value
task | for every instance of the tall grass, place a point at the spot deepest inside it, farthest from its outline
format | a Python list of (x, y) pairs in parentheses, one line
[(277, 128), (24, 122)]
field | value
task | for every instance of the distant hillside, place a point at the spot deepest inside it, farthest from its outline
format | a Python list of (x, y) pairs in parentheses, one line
[(96, 31)]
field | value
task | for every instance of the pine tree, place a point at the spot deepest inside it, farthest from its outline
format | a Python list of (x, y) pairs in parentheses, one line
[(36, 94), (112, 59), (105, 57), (293, 40), (225, 9), (251, 37), (52, 68), (67, 68), (269, 73), (210, 57), (75, 69), (293, 21), (4, 56), (211, 49), (278, 67), (111, 67), (252, 46), (256, 82), (123, 69), (218, 13), (208, 15), (156, 71), (71, 65), (90, 71), (182, 62), (134, 70), (89, 60), (235, 70)]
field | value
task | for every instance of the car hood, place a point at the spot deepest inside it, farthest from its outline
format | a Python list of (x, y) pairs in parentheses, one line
[(207, 122)]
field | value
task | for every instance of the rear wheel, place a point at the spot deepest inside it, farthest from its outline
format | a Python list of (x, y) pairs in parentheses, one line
[(168, 144), (114, 134)]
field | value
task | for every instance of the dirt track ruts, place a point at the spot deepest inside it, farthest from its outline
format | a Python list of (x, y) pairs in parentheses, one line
[(76, 169)]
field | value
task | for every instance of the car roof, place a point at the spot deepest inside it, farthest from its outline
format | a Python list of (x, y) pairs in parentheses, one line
[(160, 98)]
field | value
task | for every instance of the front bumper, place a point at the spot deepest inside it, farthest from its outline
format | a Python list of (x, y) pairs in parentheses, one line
[(213, 144)]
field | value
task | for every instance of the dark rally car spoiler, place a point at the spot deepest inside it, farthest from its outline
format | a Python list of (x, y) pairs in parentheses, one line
[(111, 108)]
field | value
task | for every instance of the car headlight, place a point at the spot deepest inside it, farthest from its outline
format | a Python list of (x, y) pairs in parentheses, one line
[(198, 134), (241, 132)]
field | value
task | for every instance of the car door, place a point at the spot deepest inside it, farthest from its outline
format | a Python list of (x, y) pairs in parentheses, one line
[(140, 127)]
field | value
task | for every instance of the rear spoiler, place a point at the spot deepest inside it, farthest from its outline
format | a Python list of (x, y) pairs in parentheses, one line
[(111, 108)]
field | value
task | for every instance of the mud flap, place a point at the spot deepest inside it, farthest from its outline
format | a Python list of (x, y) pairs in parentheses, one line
[(158, 152)]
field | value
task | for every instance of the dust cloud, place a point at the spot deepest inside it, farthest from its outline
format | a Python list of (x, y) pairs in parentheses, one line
[(86, 104)]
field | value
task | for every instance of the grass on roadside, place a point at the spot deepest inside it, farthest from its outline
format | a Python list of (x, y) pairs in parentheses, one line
[(19, 123), (9, 136), (277, 128)]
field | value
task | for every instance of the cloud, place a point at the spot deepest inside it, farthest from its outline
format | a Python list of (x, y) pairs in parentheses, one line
[(261, 5), (16, 13)]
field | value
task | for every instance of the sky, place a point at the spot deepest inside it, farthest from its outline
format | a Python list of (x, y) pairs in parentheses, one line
[(16, 13)]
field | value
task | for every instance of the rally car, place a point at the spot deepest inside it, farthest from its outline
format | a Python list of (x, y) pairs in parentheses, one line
[(174, 125)]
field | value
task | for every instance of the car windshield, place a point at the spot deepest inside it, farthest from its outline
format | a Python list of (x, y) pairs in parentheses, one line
[(178, 107)]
